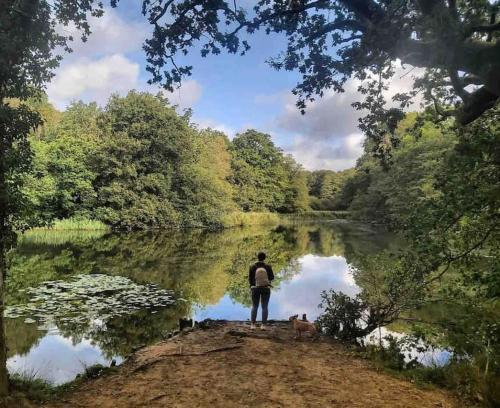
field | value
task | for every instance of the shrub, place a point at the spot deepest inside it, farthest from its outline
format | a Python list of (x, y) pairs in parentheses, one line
[(342, 316)]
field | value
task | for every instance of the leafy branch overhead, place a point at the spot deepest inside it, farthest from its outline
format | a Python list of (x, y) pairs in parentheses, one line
[(330, 41)]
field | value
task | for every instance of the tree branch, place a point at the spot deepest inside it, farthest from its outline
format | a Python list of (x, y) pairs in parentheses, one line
[(255, 23), (162, 12), (368, 11), (457, 85), (477, 103), (452, 259), (338, 25), (485, 28)]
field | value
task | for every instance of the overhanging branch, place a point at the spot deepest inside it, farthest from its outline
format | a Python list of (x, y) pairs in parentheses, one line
[(477, 103)]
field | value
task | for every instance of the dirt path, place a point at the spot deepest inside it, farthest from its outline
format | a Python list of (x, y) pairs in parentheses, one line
[(232, 366)]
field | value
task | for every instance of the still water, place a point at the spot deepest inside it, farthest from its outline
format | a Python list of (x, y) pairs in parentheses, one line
[(207, 272)]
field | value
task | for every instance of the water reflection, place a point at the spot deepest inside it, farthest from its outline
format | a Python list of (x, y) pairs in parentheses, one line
[(57, 358), (208, 270)]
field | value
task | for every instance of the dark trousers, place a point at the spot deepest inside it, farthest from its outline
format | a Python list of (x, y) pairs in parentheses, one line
[(260, 295)]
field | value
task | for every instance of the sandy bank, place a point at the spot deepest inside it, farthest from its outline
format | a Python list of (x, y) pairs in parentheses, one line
[(229, 365)]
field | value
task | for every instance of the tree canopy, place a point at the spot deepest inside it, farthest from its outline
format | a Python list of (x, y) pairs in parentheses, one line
[(137, 163), (330, 41)]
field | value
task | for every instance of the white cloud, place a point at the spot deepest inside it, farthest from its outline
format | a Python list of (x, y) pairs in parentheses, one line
[(110, 35), (186, 95), (327, 136), (326, 118), (302, 293), (204, 123), (334, 155), (93, 80)]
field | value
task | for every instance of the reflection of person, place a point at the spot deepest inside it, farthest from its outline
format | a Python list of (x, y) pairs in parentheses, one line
[(260, 277)]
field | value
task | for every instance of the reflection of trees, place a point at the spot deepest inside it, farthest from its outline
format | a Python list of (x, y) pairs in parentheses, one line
[(20, 337), (199, 265), (121, 334), (359, 241)]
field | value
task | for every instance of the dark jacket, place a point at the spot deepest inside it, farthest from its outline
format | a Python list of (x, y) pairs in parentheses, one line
[(253, 268)]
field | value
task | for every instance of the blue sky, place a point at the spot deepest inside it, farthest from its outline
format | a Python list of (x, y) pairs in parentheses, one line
[(226, 92)]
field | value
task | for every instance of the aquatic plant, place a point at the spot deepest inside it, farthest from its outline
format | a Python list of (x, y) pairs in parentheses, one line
[(84, 298)]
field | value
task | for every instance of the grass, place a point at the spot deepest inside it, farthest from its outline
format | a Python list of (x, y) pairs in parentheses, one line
[(320, 215), (79, 224), (242, 219), (462, 377), (59, 237), (29, 386), (64, 231)]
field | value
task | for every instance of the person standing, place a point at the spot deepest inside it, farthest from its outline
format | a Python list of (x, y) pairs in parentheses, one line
[(260, 277)]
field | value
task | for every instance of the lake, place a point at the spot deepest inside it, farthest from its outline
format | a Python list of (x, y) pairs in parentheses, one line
[(97, 309)]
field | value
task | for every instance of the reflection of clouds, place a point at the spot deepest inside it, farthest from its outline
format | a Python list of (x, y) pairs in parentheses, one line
[(56, 359), (433, 356), (300, 294), (226, 309)]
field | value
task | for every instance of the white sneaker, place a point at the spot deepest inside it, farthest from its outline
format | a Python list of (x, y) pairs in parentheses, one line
[(253, 326), (263, 327)]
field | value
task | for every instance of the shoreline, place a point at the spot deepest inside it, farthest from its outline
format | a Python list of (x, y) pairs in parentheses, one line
[(243, 219)]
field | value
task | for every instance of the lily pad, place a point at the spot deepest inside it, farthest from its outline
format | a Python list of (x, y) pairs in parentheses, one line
[(86, 298)]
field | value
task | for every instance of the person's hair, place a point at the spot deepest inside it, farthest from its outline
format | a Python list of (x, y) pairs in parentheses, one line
[(261, 256)]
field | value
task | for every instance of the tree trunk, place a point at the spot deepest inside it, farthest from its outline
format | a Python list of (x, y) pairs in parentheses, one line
[(4, 236), (4, 379)]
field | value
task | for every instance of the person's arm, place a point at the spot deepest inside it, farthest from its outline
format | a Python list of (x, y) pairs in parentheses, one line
[(270, 273), (251, 276)]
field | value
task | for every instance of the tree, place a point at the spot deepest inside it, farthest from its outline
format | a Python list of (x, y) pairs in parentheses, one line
[(61, 184), (330, 41), (207, 193), (326, 187), (28, 39), (381, 194), (260, 172), (297, 200), (140, 181)]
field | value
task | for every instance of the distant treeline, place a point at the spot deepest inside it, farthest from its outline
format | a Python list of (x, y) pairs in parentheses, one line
[(137, 164), (387, 193)]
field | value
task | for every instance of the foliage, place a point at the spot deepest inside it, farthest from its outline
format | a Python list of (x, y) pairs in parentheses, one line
[(342, 316), (326, 187), (332, 41), (440, 192), (264, 178), (147, 144), (208, 195), (62, 182), (379, 194), (139, 164), (27, 42)]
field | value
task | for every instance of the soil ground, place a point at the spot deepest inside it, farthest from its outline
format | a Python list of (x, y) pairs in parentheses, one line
[(229, 365)]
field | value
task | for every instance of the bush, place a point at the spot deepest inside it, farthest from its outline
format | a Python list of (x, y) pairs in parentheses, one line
[(342, 317)]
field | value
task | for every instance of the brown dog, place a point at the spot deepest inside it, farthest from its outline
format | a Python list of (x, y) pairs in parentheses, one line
[(302, 326)]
